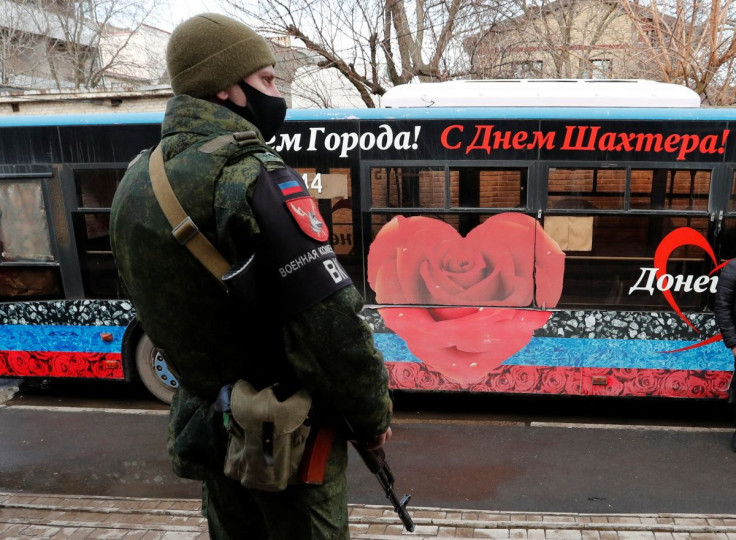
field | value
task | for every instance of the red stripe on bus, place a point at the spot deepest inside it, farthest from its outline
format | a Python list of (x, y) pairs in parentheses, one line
[(73, 365), (574, 381)]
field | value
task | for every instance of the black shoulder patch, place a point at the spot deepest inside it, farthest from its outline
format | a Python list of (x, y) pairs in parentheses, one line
[(294, 244)]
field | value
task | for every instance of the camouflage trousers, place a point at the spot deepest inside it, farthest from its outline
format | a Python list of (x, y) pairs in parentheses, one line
[(300, 512)]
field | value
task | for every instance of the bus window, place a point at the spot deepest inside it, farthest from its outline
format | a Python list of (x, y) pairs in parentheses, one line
[(607, 276), (408, 187), (732, 198), (95, 190), (727, 237), (609, 250), (454, 188), (586, 188), (466, 187), (670, 189), (485, 187), (27, 263)]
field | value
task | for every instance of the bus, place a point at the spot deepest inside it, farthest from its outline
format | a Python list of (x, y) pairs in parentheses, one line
[(531, 248)]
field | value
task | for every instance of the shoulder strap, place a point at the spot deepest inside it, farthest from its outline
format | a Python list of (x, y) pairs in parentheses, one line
[(184, 229)]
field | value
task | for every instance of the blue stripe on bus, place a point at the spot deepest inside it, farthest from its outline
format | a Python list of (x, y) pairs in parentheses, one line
[(561, 352), (592, 353), (60, 338), (424, 113)]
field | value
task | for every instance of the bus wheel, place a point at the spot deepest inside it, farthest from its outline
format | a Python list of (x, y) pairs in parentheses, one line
[(153, 371)]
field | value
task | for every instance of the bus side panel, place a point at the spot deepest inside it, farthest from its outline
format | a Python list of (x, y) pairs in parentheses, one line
[(64, 339), (574, 353)]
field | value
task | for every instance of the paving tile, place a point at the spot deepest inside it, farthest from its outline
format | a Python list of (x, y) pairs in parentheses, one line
[(66, 533), (173, 535), (108, 534), (88, 518), (429, 514), (535, 534), (424, 530), (630, 520), (563, 534), (40, 531), (376, 528), (691, 521), (82, 533), (708, 536), (636, 535), (501, 534)]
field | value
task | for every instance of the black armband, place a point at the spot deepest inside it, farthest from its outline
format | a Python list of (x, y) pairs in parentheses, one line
[(294, 245)]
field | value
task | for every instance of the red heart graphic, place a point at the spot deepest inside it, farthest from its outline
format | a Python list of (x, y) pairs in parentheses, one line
[(419, 261), (683, 236)]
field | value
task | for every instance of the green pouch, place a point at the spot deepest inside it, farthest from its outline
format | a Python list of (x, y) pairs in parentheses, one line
[(267, 437)]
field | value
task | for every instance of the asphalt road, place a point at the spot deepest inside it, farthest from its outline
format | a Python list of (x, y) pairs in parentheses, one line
[(500, 454)]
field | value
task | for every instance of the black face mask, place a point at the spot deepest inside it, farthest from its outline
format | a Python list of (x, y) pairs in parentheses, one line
[(265, 112)]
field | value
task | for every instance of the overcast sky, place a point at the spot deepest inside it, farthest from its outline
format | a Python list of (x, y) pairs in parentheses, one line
[(181, 10)]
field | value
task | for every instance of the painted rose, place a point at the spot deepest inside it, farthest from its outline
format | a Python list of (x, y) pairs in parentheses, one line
[(526, 377), (421, 260), (646, 383), (424, 261)]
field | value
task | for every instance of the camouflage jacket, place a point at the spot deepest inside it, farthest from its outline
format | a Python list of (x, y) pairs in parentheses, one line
[(209, 338)]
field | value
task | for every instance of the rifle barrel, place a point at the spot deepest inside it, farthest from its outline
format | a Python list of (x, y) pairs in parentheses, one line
[(375, 460)]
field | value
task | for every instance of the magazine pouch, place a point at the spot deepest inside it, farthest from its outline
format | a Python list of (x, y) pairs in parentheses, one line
[(267, 437)]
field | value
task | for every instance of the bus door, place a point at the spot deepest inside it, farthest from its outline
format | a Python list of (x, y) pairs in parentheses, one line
[(89, 192)]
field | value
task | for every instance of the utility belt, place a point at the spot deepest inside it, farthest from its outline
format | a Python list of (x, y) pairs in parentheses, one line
[(274, 441)]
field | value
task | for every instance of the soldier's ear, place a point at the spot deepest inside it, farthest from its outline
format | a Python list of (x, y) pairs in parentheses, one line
[(232, 93), (223, 95)]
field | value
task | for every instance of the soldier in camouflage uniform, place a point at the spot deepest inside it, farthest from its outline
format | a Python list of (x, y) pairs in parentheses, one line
[(223, 79)]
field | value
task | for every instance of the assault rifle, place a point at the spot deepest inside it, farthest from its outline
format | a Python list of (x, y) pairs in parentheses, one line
[(375, 460)]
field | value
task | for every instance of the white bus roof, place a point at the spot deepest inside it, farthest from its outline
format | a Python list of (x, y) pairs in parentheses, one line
[(541, 93)]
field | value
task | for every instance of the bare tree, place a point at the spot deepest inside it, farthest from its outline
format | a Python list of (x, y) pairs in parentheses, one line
[(558, 39), (376, 44), (19, 46), (690, 42), (69, 40)]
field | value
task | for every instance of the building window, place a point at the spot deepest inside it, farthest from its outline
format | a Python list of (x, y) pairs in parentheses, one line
[(527, 69), (598, 68)]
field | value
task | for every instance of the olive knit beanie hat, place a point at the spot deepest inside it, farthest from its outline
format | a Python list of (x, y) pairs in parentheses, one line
[(210, 52)]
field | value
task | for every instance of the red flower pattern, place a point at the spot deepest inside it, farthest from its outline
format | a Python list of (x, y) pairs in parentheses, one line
[(569, 381), (61, 364)]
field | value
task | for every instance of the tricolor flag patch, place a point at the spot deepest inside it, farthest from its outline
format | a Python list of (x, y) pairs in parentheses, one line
[(291, 187)]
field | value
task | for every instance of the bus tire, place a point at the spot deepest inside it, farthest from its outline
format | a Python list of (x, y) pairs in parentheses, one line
[(152, 370)]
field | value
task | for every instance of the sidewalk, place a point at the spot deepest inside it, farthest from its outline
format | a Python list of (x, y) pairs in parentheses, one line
[(28, 516)]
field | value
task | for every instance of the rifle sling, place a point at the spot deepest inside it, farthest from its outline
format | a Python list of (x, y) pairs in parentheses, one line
[(184, 229)]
